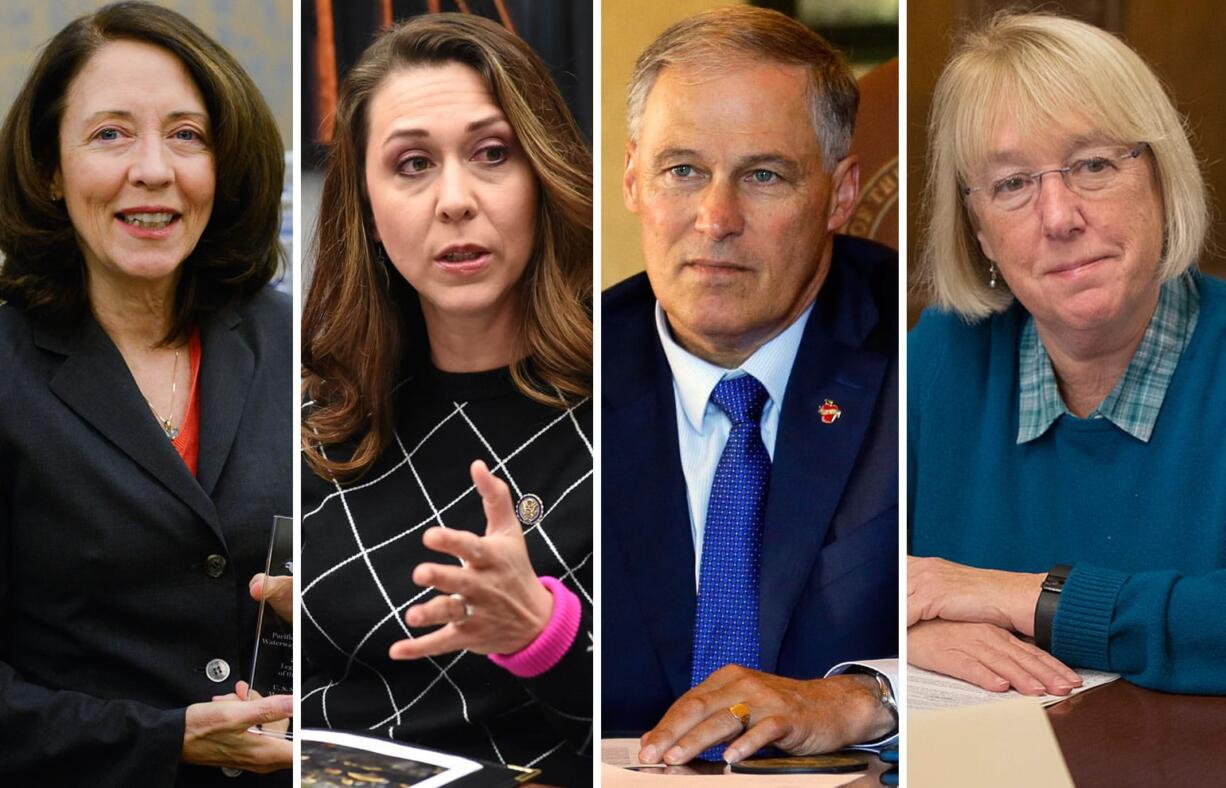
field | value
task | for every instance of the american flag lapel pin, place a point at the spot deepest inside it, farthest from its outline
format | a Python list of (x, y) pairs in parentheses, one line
[(829, 412)]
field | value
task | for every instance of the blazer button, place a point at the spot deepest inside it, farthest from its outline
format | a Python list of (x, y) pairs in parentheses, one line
[(215, 565), (217, 670)]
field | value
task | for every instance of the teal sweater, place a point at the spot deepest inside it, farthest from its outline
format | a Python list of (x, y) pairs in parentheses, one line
[(1144, 525)]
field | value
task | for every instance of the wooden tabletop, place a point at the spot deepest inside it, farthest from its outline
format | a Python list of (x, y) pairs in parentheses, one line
[(1122, 735)]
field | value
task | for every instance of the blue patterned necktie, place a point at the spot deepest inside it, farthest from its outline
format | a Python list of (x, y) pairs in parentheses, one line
[(726, 626)]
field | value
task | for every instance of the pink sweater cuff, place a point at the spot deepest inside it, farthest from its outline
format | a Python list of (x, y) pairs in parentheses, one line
[(555, 639)]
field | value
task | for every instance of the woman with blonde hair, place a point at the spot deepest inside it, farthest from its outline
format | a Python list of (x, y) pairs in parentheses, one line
[(1064, 450), (447, 431)]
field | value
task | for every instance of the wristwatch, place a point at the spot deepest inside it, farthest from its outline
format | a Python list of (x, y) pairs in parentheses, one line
[(1049, 601)]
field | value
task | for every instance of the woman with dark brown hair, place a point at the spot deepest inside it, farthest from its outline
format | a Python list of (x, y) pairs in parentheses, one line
[(447, 364), (145, 425)]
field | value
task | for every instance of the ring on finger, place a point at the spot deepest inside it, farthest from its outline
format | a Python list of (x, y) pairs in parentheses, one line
[(741, 712), (468, 608)]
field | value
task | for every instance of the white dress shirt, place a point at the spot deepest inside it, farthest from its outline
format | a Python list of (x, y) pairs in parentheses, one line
[(703, 427)]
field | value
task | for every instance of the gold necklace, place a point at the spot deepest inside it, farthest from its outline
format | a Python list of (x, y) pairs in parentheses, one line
[(167, 424)]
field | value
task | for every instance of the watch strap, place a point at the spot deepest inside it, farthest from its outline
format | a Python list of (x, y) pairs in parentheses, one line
[(885, 693), (1048, 602)]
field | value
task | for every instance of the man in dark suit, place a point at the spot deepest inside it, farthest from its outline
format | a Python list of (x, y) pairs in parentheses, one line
[(750, 408)]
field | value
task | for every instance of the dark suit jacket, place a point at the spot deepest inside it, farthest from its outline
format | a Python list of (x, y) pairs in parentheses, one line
[(829, 588), (108, 609)]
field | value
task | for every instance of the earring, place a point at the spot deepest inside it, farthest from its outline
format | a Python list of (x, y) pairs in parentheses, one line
[(381, 262), (992, 275), (56, 194)]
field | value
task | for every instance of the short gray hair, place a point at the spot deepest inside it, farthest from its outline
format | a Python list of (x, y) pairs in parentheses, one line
[(714, 36)]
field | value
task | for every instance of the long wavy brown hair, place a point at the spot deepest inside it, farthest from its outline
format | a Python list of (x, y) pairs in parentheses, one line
[(362, 325)]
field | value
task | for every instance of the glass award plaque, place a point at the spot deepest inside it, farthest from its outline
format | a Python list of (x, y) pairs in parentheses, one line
[(272, 663)]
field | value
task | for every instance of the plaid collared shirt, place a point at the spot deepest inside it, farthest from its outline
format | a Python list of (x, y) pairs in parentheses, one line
[(1134, 403)]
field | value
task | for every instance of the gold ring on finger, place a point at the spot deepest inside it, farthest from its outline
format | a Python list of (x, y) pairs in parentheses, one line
[(741, 712)]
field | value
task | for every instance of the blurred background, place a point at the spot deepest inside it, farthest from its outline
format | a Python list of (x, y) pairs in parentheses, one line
[(336, 32)]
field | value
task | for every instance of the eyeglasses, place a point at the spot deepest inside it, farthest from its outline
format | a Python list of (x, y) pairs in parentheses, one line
[(1089, 177)]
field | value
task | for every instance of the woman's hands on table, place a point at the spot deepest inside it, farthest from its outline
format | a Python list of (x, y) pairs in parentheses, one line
[(962, 623)]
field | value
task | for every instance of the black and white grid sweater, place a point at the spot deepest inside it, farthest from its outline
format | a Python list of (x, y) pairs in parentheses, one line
[(361, 541)]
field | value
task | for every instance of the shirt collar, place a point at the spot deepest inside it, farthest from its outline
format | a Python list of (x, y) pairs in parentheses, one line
[(1135, 402), (695, 378)]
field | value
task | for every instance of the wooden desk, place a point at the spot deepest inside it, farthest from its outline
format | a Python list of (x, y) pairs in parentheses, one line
[(871, 778), (1122, 735)]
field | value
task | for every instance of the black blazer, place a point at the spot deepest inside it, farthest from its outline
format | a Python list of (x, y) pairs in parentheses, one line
[(121, 575), (829, 589)]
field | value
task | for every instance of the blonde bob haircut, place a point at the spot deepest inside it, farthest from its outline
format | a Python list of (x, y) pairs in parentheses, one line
[(1037, 71)]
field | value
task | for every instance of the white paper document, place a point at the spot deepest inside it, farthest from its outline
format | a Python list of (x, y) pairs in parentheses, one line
[(624, 753), (614, 777), (927, 691), (620, 768)]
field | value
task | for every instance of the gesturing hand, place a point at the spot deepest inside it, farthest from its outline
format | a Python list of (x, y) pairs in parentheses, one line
[(216, 734), (797, 716), (937, 588), (502, 606), (987, 656)]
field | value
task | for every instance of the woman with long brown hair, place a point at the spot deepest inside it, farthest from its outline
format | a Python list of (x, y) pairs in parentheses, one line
[(447, 431)]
